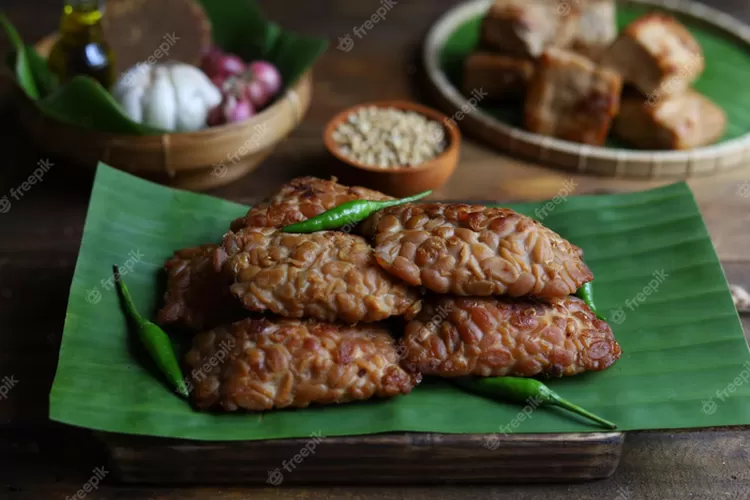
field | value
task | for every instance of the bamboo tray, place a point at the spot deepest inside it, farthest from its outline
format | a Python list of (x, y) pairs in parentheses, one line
[(606, 161), (374, 459)]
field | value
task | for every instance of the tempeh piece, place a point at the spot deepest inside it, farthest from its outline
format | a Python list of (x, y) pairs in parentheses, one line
[(499, 77), (260, 363), (571, 98), (527, 27), (473, 250), (302, 199), (328, 275), (197, 297), (686, 121), (657, 54), (453, 337), (597, 27)]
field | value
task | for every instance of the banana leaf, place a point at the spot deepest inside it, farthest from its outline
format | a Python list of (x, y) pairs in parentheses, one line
[(238, 26), (727, 59), (685, 360)]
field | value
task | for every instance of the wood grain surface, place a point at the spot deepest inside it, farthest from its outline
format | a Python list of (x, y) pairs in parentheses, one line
[(41, 232), (393, 458)]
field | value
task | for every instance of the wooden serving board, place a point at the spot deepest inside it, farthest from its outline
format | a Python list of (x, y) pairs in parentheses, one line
[(376, 459)]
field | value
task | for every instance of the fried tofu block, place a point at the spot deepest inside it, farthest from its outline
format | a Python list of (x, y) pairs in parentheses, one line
[(197, 297), (496, 337), (301, 199), (571, 98), (473, 250), (597, 27), (262, 363), (500, 77), (686, 121), (656, 54), (327, 275), (525, 28)]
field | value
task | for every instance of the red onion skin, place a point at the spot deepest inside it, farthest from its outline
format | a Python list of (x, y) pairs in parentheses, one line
[(257, 93), (216, 63), (231, 110), (267, 73)]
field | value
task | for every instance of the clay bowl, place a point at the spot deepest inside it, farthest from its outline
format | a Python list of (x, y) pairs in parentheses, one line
[(401, 181), (195, 160)]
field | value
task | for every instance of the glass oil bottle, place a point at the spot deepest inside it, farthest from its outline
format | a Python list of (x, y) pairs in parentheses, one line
[(81, 48)]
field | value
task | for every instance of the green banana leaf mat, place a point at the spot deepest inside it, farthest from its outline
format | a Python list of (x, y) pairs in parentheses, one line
[(685, 360), (727, 62)]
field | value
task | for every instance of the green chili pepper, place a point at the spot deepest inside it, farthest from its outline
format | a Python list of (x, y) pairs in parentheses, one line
[(586, 292), (349, 212), (154, 339), (523, 390)]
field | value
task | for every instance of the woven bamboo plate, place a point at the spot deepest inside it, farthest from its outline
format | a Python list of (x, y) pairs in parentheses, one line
[(725, 42)]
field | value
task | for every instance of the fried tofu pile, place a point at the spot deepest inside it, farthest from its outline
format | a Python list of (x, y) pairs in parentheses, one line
[(569, 65)]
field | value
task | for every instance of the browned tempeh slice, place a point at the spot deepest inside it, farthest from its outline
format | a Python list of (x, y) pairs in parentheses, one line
[(657, 54), (301, 199), (260, 363), (453, 337), (197, 297), (527, 27), (685, 121), (497, 76), (472, 250), (571, 98), (327, 275)]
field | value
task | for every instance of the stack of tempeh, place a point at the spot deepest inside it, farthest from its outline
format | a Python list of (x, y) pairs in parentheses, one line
[(286, 320), (565, 61)]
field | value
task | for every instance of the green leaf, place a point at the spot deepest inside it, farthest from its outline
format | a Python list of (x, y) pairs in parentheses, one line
[(238, 26), (46, 81), (22, 66), (84, 102), (683, 346), (727, 62)]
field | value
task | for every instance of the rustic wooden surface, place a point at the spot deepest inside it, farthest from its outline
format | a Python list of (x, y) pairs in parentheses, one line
[(40, 235)]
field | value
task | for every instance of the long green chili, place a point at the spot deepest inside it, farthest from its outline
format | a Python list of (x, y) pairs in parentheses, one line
[(586, 292), (349, 212), (523, 390), (154, 339)]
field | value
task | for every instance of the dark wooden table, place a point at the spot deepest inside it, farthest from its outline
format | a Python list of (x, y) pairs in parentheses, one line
[(40, 236)]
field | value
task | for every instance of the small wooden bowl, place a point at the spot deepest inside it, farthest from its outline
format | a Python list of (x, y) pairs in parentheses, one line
[(402, 181), (196, 160)]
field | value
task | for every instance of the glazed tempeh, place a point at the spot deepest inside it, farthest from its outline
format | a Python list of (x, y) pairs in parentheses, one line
[(302, 199), (260, 363), (197, 297), (328, 275), (472, 250), (453, 337)]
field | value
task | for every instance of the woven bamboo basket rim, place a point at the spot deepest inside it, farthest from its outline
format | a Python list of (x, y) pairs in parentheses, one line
[(583, 158)]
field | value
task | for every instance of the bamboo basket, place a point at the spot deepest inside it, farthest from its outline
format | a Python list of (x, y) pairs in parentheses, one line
[(196, 160), (582, 158)]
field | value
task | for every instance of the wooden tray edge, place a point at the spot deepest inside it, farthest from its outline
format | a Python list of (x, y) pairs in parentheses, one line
[(369, 459)]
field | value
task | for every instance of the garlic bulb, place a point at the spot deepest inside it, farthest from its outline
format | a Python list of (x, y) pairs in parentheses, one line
[(171, 96)]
